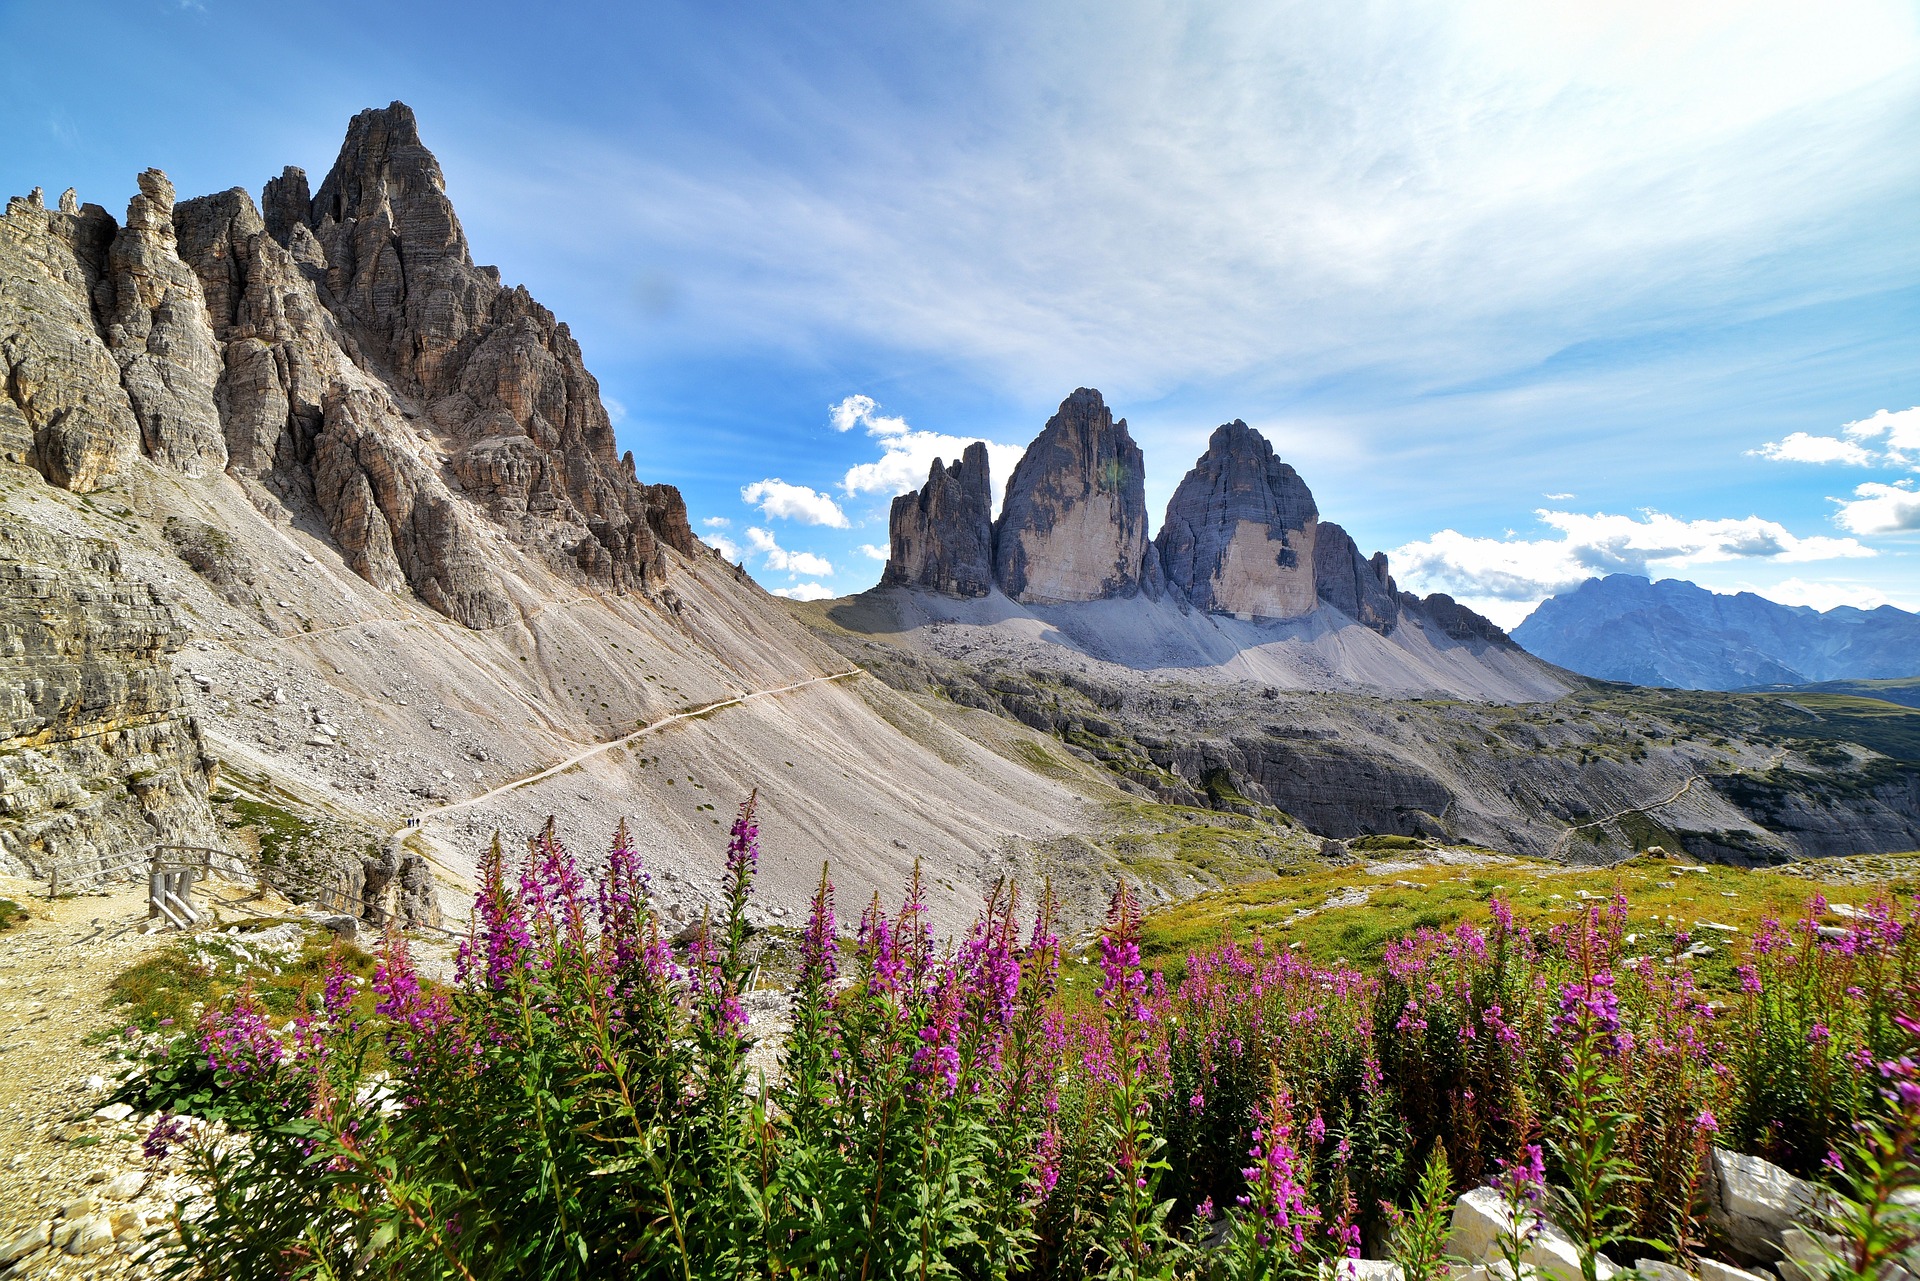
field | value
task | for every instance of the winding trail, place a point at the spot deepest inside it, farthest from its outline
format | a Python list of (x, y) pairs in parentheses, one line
[(527, 780)]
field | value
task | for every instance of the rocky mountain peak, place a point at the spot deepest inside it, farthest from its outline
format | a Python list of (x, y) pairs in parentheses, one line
[(1074, 524), (941, 538), (1239, 533), (343, 355)]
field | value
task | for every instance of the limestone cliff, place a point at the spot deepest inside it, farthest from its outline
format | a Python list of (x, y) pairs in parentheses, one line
[(97, 758), (1239, 532), (1074, 524), (941, 538)]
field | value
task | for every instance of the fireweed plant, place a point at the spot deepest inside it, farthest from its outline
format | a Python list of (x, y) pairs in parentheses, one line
[(578, 1103)]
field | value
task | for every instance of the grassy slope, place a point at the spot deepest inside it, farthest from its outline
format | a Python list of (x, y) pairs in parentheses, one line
[(1665, 897)]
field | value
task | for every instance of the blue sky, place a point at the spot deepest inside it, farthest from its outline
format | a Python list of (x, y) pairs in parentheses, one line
[(1526, 292)]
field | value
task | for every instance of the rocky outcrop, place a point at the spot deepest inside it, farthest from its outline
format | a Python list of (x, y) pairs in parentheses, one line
[(941, 538), (1239, 532), (1456, 620), (1074, 524), (155, 319), (62, 409), (96, 756), (1358, 587), (500, 382)]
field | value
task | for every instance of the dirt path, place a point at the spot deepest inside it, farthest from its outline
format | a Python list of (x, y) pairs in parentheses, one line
[(56, 1067), (527, 780)]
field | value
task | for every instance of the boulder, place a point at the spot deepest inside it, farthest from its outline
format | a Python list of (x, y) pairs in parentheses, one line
[(1074, 524), (1751, 1203), (1239, 532), (1714, 1270), (1657, 1270), (26, 1241), (87, 1234), (940, 539), (1480, 1219)]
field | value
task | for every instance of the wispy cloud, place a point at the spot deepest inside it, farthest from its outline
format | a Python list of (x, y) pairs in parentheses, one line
[(777, 499), (774, 556), (716, 522)]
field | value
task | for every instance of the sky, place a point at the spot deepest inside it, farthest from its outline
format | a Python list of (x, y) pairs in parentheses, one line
[(1527, 293)]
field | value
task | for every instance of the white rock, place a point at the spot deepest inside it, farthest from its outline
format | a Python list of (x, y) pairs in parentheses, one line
[(127, 1223), (26, 1241), (125, 1187), (79, 1207), (1479, 1218), (1714, 1270), (87, 1234), (1752, 1202), (114, 1112)]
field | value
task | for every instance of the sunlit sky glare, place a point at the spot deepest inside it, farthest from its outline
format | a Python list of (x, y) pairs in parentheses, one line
[(1526, 292)]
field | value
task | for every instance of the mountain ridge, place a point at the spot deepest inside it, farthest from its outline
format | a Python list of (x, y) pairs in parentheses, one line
[(1673, 633)]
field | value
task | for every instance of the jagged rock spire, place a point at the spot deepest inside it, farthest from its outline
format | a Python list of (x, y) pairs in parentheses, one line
[(1239, 533), (941, 538), (1074, 524)]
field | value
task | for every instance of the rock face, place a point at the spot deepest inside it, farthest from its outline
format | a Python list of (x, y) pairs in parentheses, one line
[(156, 325), (1074, 524), (344, 355), (1242, 536), (96, 756), (941, 538), (62, 410), (1239, 533), (1358, 587)]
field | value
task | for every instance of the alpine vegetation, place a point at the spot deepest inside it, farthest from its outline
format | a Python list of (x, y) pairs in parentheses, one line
[(578, 1102)]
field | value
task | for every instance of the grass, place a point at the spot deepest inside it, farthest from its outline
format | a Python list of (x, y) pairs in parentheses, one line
[(171, 988), (1666, 898), (11, 914)]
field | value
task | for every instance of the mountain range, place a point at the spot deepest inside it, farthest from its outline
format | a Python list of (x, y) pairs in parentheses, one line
[(315, 546), (1672, 633)]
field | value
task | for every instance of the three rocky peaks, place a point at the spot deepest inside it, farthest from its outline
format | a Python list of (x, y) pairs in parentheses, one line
[(1242, 535), (338, 353)]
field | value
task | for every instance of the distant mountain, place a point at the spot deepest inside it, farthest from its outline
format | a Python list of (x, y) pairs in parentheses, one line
[(1673, 633)]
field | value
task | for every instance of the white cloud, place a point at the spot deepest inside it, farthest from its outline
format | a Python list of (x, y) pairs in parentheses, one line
[(716, 522), (1881, 509), (1557, 498), (874, 551), (907, 455), (1525, 570), (725, 546), (1902, 443), (779, 500), (805, 591), (1802, 447), (777, 557), (863, 411), (1901, 429), (1826, 595), (616, 412)]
